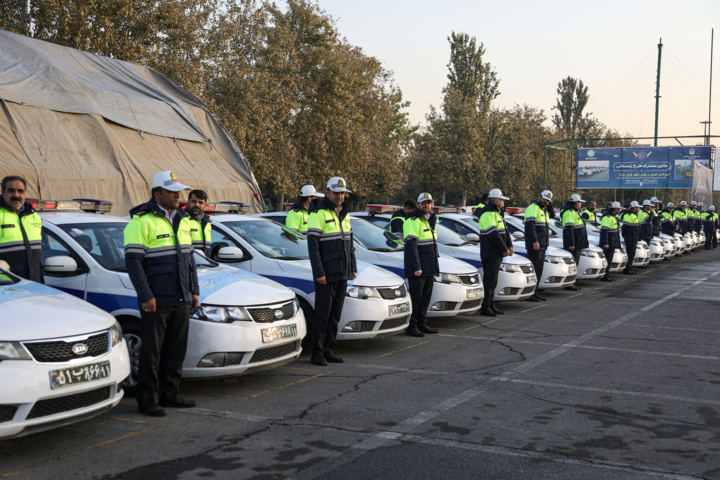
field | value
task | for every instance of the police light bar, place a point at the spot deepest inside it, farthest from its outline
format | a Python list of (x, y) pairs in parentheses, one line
[(78, 204), (515, 209), (232, 207), (92, 205), (445, 209), (288, 206), (374, 208)]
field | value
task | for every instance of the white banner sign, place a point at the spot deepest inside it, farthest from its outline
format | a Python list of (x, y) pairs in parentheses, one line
[(702, 186)]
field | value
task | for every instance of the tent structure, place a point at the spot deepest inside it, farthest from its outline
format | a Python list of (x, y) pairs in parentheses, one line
[(79, 125)]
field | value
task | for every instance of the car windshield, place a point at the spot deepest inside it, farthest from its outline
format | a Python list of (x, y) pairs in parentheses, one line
[(374, 237), (7, 279), (103, 241), (203, 261), (271, 239), (447, 237)]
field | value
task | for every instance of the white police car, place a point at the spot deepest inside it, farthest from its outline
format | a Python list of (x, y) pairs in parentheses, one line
[(245, 323), (642, 251), (61, 359), (457, 290), (559, 270), (377, 302)]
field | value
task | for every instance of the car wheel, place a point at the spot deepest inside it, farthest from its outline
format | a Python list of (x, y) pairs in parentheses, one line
[(309, 314), (129, 385)]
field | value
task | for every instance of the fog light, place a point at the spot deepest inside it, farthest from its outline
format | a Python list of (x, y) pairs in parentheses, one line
[(438, 307), (352, 327), (212, 360)]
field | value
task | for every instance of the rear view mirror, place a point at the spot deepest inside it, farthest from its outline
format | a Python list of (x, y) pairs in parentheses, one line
[(472, 237), (230, 254), (60, 265)]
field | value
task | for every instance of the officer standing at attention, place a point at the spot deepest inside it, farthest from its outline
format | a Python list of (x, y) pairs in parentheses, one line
[(201, 232), (631, 234), (332, 257), (656, 221), (297, 217), (478, 210), (691, 215), (20, 231), (574, 232), (709, 219), (699, 218), (397, 221), (646, 216), (668, 224), (681, 218), (610, 236), (495, 243), (161, 266), (537, 217), (589, 213), (421, 262)]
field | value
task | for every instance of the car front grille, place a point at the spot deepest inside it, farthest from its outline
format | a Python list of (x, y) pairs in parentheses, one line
[(527, 290), (571, 278), (51, 406), (389, 293), (267, 315), (234, 358), (527, 268), (7, 412), (394, 322), (469, 279), (470, 304), (270, 353), (450, 306), (61, 351)]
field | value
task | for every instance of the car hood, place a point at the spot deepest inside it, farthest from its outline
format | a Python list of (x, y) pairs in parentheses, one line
[(32, 311), (453, 265), (235, 287), (372, 276), (557, 252)]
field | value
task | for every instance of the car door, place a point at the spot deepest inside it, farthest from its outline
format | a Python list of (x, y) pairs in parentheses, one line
[(220, 239), (74, 283)]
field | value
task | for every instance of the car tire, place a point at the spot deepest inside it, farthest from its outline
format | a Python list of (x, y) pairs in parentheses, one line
[(309, 314), (131, 332)]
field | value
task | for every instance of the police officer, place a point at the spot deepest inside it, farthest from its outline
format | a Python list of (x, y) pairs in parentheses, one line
[(160, 263), (656, 221), (646, 216), (201, 230), (709, 220), (421, 262), (668, 223), (631, 234), (699, 218), (681, 218), (332, 257), (589, 214), (20, 230), (297, 217), (537, 217), (691, 214), (495, 243), (610, 236), (478, 210), (574, 231), (397, 221)]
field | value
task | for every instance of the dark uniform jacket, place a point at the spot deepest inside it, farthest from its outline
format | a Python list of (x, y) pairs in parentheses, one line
[(646, 225), (495, 238), (330, 242), (397, 221), (609, 233), (667, 222), (656, 223), (709, 220), (206, 241), (23, 251), (535, 229), (698, 221), (574, 235), (421, 247), (630, 226), (166, 273), (478, 210)]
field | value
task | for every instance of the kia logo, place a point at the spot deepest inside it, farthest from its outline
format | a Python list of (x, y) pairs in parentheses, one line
[(278, 314), (398, 293), (79, 349)]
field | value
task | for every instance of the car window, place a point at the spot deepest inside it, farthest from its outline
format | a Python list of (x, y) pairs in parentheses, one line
[(103, 241), (218, 240), (52, 246), (372, 236), (459, 228), (270, 239)]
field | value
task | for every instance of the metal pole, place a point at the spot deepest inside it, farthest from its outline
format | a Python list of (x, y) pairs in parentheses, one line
[(657, 92), (545, 179), (712, 35)]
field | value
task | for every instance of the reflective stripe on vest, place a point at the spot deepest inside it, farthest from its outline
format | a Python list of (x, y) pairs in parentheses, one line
[(534, 212), (491, 221), (609, 223), (11, 231), (297, 220), (572, 217), (199, 238), (153, 236), (326, 224)]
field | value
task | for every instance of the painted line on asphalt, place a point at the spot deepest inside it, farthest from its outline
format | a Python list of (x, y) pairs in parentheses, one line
[(401, 370), (402, 349), (527, 366), (573, 296), (300, 369), (254, 395), (220, 414), (539, 456), (608, 390), (624, 350), (534, 308), (481, 324), (77, 452)]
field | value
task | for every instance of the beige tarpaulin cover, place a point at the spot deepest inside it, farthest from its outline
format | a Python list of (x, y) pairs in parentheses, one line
[(78, 125)]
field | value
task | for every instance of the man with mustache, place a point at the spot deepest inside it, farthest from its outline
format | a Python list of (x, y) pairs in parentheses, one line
[(20, 230), (201, 228)]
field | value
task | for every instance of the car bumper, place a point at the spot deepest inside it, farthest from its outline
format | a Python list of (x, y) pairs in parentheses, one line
[(591, 267), (243, 346), (371, 318), (557, 275), (515, 286), (450, 299), (32, 396)]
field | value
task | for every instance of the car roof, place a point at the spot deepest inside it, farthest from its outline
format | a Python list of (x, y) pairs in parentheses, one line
[(61, 218)]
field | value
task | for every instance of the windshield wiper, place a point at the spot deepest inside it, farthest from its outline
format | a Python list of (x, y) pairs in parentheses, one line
[(286, 258), (119, 269), (454, 244), (380, 249)]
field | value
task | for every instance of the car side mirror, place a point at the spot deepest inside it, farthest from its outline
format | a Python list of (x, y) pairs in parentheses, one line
[(472, 237), (519, 235), (60, 265), (230, 254)]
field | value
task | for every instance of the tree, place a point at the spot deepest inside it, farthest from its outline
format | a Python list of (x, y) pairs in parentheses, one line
[(570, 118)]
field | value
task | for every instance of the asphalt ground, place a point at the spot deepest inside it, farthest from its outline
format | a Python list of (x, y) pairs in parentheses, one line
[(616, 381)]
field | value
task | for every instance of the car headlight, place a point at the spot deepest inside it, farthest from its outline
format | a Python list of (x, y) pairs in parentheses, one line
[(116, 333), (212, 313), (505, 267), (554, 259), (447, 278), (589, 253), (361, 292), (13, 351)]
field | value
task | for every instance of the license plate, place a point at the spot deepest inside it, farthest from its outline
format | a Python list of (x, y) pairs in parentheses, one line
[(531, 279), (397, 309), (276, 333), (66, 377), (572, 270), (473, 292)]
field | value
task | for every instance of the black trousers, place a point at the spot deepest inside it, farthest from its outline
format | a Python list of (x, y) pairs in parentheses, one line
[(609, 253), (164, 334), (537, 257), (329, 300), (708, 240), (421, 289), (631, 248), (714, 239), (575, 252), (491, 269)]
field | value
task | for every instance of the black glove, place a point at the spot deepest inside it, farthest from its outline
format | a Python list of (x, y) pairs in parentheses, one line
[(551, 210)]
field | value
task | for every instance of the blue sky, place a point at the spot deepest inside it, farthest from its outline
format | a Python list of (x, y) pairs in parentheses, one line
[(535, 44)]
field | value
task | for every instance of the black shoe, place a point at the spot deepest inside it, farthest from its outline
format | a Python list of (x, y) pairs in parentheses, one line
[(633, 272), (318, 360), (627, 272), (497, 310), (533, 299), (606, 279), (332, 358), (177, 402), (644, 267), (426, 329), (414, 332), (572, 287), (152, 410), (487, 312), (542, 299)]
